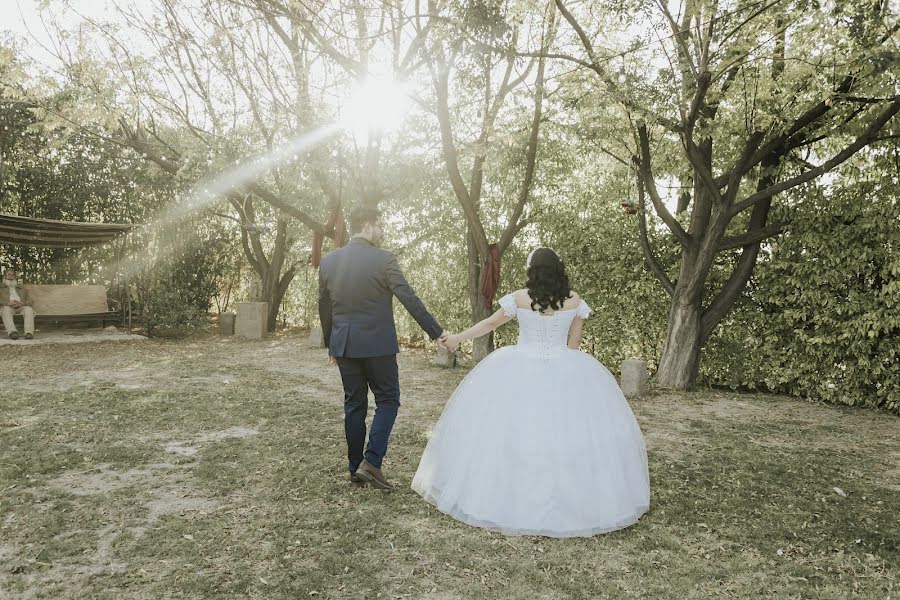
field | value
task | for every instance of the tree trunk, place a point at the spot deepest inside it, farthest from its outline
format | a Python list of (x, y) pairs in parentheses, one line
[(484, 345), (681, 352), (273, 283), (273, 289), (680, 358), (274, 298)]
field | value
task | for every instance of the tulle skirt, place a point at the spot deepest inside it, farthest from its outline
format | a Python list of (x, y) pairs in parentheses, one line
[(534, 445)]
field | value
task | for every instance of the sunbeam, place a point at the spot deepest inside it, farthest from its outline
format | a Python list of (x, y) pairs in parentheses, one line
[(212, 189)]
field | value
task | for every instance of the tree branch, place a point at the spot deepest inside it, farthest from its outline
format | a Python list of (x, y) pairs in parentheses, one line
[(249, 253), (810, 115), (732, 289), (611, 85), (679, 33), (270, 198), (647, 249), (441, 77), (750, 237), (737, 171), (863, 140), (249, 212), (512, 227), (646, 172), (697, 103), (696, 158), (135, 141)]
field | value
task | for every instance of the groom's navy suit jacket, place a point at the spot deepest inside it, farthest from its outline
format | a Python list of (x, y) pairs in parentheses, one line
[(357, 284)]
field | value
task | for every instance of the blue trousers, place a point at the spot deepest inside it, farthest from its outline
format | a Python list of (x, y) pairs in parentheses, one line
[(359, 375)]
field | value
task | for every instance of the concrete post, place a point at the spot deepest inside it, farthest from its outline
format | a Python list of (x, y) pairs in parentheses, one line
[(251, 320), (316, 337), (444, 358), (634, 378), (226, 323)]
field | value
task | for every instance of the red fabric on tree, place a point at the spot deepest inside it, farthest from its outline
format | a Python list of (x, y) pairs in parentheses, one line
[(490, 275), (316, 257)]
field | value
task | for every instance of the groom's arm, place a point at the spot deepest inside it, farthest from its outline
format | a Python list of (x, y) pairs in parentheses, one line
[(398, 285), (325, 309)]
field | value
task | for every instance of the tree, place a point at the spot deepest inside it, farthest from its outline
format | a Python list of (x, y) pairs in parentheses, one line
[(233, 79), (485, 76), (748, 113), (217, 90)]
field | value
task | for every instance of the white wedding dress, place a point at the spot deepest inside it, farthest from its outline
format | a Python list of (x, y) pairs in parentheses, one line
[(538, 439)]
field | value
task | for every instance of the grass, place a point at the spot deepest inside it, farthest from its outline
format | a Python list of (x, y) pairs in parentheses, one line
[(215, 468)]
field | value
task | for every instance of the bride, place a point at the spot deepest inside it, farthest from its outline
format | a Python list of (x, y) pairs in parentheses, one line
[(538, 438)]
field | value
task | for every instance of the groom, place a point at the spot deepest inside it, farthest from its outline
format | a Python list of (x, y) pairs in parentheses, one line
[(357, 284)]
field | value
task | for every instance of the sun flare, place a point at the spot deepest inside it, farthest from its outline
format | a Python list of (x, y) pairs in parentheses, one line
[(376, 106)]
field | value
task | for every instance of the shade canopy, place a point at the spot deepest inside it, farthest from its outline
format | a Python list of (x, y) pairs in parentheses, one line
[(47, 233)]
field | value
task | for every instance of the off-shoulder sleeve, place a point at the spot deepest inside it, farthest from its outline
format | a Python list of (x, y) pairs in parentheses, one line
[(584, 310), (508, 304)]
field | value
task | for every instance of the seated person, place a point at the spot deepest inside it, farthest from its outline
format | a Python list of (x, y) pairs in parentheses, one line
[(14, 301)]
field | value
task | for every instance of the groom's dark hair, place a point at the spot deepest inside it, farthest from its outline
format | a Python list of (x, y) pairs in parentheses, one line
[(362, 214)]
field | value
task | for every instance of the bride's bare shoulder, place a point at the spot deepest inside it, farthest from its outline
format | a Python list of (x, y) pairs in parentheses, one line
[(572, 301), (523, 300)]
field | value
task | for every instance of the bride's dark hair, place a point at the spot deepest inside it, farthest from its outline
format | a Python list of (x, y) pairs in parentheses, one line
[(548, 285)]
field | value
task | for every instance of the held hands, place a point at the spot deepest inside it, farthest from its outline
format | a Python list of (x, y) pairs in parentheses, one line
[(449, 342), (453, 342), (442, 341)]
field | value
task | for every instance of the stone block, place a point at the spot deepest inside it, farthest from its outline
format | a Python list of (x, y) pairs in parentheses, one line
[(251, 320), (316, 337), (226, 323), (635, 378), (444, 358)]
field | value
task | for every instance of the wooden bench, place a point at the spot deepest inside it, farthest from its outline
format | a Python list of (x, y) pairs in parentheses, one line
[(70, 304)]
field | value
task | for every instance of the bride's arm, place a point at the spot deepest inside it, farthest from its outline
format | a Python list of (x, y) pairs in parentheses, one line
[(575, 333), (479, 329)]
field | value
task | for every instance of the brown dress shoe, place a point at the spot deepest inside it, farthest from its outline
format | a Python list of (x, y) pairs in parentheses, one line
[(373, 476), (13, 335)]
